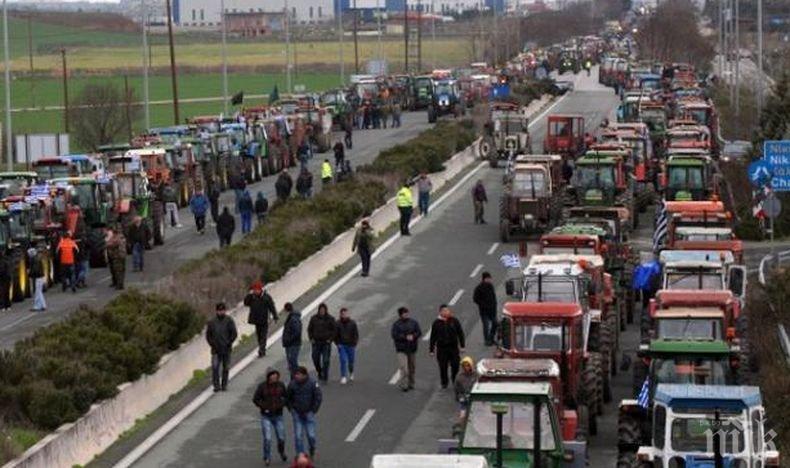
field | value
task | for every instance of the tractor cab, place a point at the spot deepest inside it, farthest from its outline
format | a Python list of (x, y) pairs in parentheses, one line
[(565, 136), (47, 169), (702, 214), (703, 270), (689, 178), (507, 132), (693, 314), (707, 238), (574, 239), (654, 114), (87, 164), (600, 177), (85, 197), (151, 160), (694, 425), (16, 183)]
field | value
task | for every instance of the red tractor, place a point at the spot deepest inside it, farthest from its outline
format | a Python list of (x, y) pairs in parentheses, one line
[(565, 136), (560, 332), (695, 310)]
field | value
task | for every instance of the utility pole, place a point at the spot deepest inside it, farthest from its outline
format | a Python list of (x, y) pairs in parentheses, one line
[(224, 58), (9, 144), (341, 58), (378, 26), (721, 39), (287, 48), (30, 59), (356, 41), (146, 63), (496, 33), (760, 82), (65, 89), (419, 35), (173, 77), (737, 59), (406, 36), (433, 35), (128, 100)]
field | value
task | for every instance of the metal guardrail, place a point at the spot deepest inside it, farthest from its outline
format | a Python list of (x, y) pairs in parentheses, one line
[(784, 342)]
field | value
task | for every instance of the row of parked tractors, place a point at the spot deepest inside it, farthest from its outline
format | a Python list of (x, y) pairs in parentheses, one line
[(560, 335)]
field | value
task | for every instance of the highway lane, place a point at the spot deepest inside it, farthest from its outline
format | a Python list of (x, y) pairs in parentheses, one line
[(185, 244), (439, 263)]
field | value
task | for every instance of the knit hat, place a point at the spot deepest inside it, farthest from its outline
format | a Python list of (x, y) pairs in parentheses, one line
[(257, 286), (468, 360)]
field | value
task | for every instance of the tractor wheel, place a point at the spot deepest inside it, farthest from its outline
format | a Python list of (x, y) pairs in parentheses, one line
[(98, 248), (608, 356), (594, 338), (258, 168), (629, 431), (158, 223), (21, 282), (593, 381), (629, 306), (555, 211), (484, 148), (49, 271), (183, 194), (627, 460)]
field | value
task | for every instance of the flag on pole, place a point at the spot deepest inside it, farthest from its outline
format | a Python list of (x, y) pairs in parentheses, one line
[(274, 96), (643, 399), (662, 221), (237, 99), (510, 260)]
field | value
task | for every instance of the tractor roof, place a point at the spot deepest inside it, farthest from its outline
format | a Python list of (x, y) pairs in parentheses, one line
[(684, 161), (689, 312), (512, 388), (73, 181), (694, 207), (728, 397), (577, 230), (696, 256), (599, 158), (493, 368), (572, 260), (690, 347), (694, 297), (565, 116), (701, 230), (537, 158), (148, 150), (547, 310), (606, 212), (17, 174)]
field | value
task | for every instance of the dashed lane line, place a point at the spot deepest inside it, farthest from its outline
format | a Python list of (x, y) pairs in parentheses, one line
[(363, 421)]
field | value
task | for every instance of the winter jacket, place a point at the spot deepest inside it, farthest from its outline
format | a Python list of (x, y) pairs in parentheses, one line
[(36, 266), (245, 203), (447, 334), (261, 305), (213, 196), (485, 298), (136, 234), (226, 224), (304, 397), (304, 183), (169, 194), (68, 250), (283, 185), (198, 204), (221, 333), (270, 398), (261, 205), (322, 328), (479, 193), (463, 384), (363, 240), (400, 329), (340, 151), (292, 330), (347, 333)]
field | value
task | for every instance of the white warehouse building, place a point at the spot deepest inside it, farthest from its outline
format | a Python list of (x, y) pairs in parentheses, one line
[(206, 13)]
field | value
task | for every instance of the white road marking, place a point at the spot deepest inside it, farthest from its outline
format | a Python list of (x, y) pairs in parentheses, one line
[(476, 270), (493, 248), (193, 406), (455, 298), (395, 377), (427, 336), (17, 322), (360, 425)]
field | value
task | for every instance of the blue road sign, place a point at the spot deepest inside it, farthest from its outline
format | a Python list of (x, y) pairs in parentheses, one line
[(777, 154), (759, 172)]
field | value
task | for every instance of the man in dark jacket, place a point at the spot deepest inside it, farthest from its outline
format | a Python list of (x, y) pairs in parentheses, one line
[(447, 343), (226, 224), (213, 199), (292, 337), (303, 398), (246, 208), (220, 334), (304, 183), (261, 207), (485, 298), (322, 330), (261, 306), (340, 154), (346, 340), (199, 204), (270, 398), (283, 185), (479, 199), (406, 334), (136, 239)]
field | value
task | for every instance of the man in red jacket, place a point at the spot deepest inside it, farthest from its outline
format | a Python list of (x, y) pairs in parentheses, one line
[(270, 399)]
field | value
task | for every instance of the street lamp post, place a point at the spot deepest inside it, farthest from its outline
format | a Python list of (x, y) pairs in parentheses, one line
[(9, 145), (224, 58), (146, 64), (340, 52), (287, 48), (760, 82)]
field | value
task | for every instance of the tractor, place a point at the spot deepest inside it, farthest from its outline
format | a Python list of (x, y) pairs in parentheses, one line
[(507, 133), (695, 214), (532, 196), (698, 426), (446, 99), (16, 183), (422, 93), (601, 178), (565, 136), (13, 257), (133, 197), (703, 270), (55, 168), (635, 138)]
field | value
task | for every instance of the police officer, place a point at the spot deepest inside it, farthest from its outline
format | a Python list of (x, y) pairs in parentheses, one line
[(116, 254), (326, 172), (405, 206)]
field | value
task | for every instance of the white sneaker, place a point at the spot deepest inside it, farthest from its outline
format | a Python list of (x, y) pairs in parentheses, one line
[(351, 377), (343, 381)]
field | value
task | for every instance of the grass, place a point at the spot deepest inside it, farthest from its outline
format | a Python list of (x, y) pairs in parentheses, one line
[(15, 440)]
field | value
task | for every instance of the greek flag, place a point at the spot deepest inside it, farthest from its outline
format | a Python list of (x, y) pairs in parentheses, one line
[(644, 394), (39, 191), (662, 220), (510, 261)]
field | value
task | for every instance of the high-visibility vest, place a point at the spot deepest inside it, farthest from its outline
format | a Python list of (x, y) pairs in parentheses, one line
[(326, 170), (404, 197)]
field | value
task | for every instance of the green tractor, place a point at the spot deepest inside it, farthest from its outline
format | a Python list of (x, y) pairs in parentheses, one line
[(16, 237), (690, 178), (87, 205), (133, 197), (603, 178)]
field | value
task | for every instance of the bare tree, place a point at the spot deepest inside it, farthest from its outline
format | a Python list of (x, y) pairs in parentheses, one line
[(672, 34), (101, 114)]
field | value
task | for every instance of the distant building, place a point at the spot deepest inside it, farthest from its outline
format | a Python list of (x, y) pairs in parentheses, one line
[(206, 13), (255, 24)]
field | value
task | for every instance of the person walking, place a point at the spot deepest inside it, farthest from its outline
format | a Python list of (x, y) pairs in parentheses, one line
[(261, 208), (261, 306), (321, 330), (447, 343), (67, 250), (37, 259), (170, 197), (464, 382), (116, 255), (479, 199), (292, 337), (213, 199), (424, 187), (283, 185), (386, 110), (405, 206), (220, 334), (363, 244), (340, 154), (346, 341), (246, 207), (83, 257), (226, 225), (303, 398), (198, 205), (396, 113), (304, 183), (326, 173), (406, 334), (485, 297), (270, 398), (347, 138)]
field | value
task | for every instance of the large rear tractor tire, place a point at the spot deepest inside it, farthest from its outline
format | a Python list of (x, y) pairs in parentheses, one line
[(593, 381), (21, 281), (158, 223), (98, 248)]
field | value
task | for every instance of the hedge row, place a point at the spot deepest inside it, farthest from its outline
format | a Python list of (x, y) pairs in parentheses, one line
[(56, 375)]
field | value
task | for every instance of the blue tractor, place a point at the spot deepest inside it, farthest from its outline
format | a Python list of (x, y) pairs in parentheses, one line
[(446, 99)]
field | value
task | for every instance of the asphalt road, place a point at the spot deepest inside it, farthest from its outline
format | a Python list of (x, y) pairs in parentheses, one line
[(184, 244), (439, 263)]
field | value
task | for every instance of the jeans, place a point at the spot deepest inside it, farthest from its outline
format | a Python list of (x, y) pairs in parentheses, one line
[(225, 240), (246, 222), (489, 327), (406, 366), (137, 256), (262, 332), (82, 273), (238, 193), (171, 208), (322, 351), (68, 277), (304, 423), (448, 358), (479, 212), (346, 354), (219, 377), (261, 218), (423, 200), (39, 303), (272, 424), (364, 257), (292, 357), (405, 218), (200, 222)]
